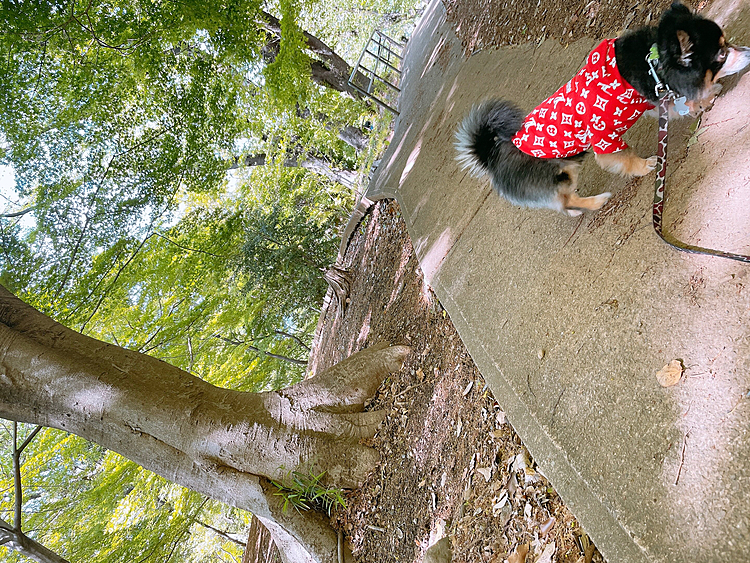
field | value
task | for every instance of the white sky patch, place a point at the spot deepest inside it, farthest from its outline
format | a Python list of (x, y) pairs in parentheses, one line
[(7, 186), (10, 202)]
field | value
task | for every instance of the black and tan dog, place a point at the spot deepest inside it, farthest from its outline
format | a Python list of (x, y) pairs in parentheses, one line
[(533, 161)]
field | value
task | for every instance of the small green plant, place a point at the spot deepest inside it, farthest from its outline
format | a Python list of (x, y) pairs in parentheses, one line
[(304, 491)]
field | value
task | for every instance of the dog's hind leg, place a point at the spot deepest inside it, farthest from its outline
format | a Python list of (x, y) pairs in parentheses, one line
[(570, 202), (626, 163), (574, 205)]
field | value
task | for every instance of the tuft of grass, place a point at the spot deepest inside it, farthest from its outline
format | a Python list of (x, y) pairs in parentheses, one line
[(303, 491)]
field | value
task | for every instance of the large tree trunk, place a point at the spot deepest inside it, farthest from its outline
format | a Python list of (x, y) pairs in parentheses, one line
[(317, 165), (354, 137), (223, 443)]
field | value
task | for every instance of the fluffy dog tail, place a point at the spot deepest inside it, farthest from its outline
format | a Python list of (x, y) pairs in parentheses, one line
[(482, 134)]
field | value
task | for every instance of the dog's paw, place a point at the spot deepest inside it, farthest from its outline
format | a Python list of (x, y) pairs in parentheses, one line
[(598, 201), (603, 198), (646, 166), (574, 212)]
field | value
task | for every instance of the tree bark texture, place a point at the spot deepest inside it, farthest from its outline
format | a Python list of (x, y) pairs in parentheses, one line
[(259, 547), (354, 137), (340, 281), (223, 443)]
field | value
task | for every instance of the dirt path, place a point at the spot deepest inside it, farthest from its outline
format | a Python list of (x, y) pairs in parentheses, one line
[(482, 24)]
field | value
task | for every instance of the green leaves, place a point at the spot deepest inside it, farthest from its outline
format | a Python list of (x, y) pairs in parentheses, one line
[(91, 505), (285, 249), (111, 109), (288, 76), (303, 491)]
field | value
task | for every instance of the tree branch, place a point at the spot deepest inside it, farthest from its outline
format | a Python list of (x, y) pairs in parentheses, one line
[(27, 547), (103, 295), (12, 536), (220, 533), (83, 232), (259, 351), (340, 70), (312, 163), (188, 248), (294, 337), (17, 480), (29, 438), (17, 213), (93, 203), (120, 270)]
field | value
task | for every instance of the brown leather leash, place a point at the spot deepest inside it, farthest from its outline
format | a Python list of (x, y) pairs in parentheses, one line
[(665, 97)]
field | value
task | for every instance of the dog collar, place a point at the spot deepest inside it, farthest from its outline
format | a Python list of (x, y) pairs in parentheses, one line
[(662, 89)]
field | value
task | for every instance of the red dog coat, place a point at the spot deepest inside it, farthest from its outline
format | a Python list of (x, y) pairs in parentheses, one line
[(592, 110)]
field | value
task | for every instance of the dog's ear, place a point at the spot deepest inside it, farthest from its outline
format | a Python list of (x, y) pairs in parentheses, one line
[(678, 8), (674, 40), (675, 13), (686, 46)]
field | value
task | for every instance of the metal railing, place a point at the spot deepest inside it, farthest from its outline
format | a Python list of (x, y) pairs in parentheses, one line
[(377, 73)]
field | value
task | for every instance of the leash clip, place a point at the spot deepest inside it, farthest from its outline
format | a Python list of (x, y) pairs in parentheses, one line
[(652, 59)]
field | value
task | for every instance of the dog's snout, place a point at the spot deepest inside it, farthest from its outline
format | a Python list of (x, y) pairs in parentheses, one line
[(738, 58)]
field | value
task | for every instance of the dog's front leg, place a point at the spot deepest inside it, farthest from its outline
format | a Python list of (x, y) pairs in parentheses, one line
[(626, 163)]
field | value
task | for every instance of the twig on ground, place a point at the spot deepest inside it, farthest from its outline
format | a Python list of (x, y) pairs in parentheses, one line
[(682, 456)]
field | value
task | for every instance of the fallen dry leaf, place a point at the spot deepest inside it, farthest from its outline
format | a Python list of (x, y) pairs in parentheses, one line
[(519, 554), (589, 553), (547, 554), (486, 472), (547, 526), (499, 503), (670, 374), (440, 552)]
